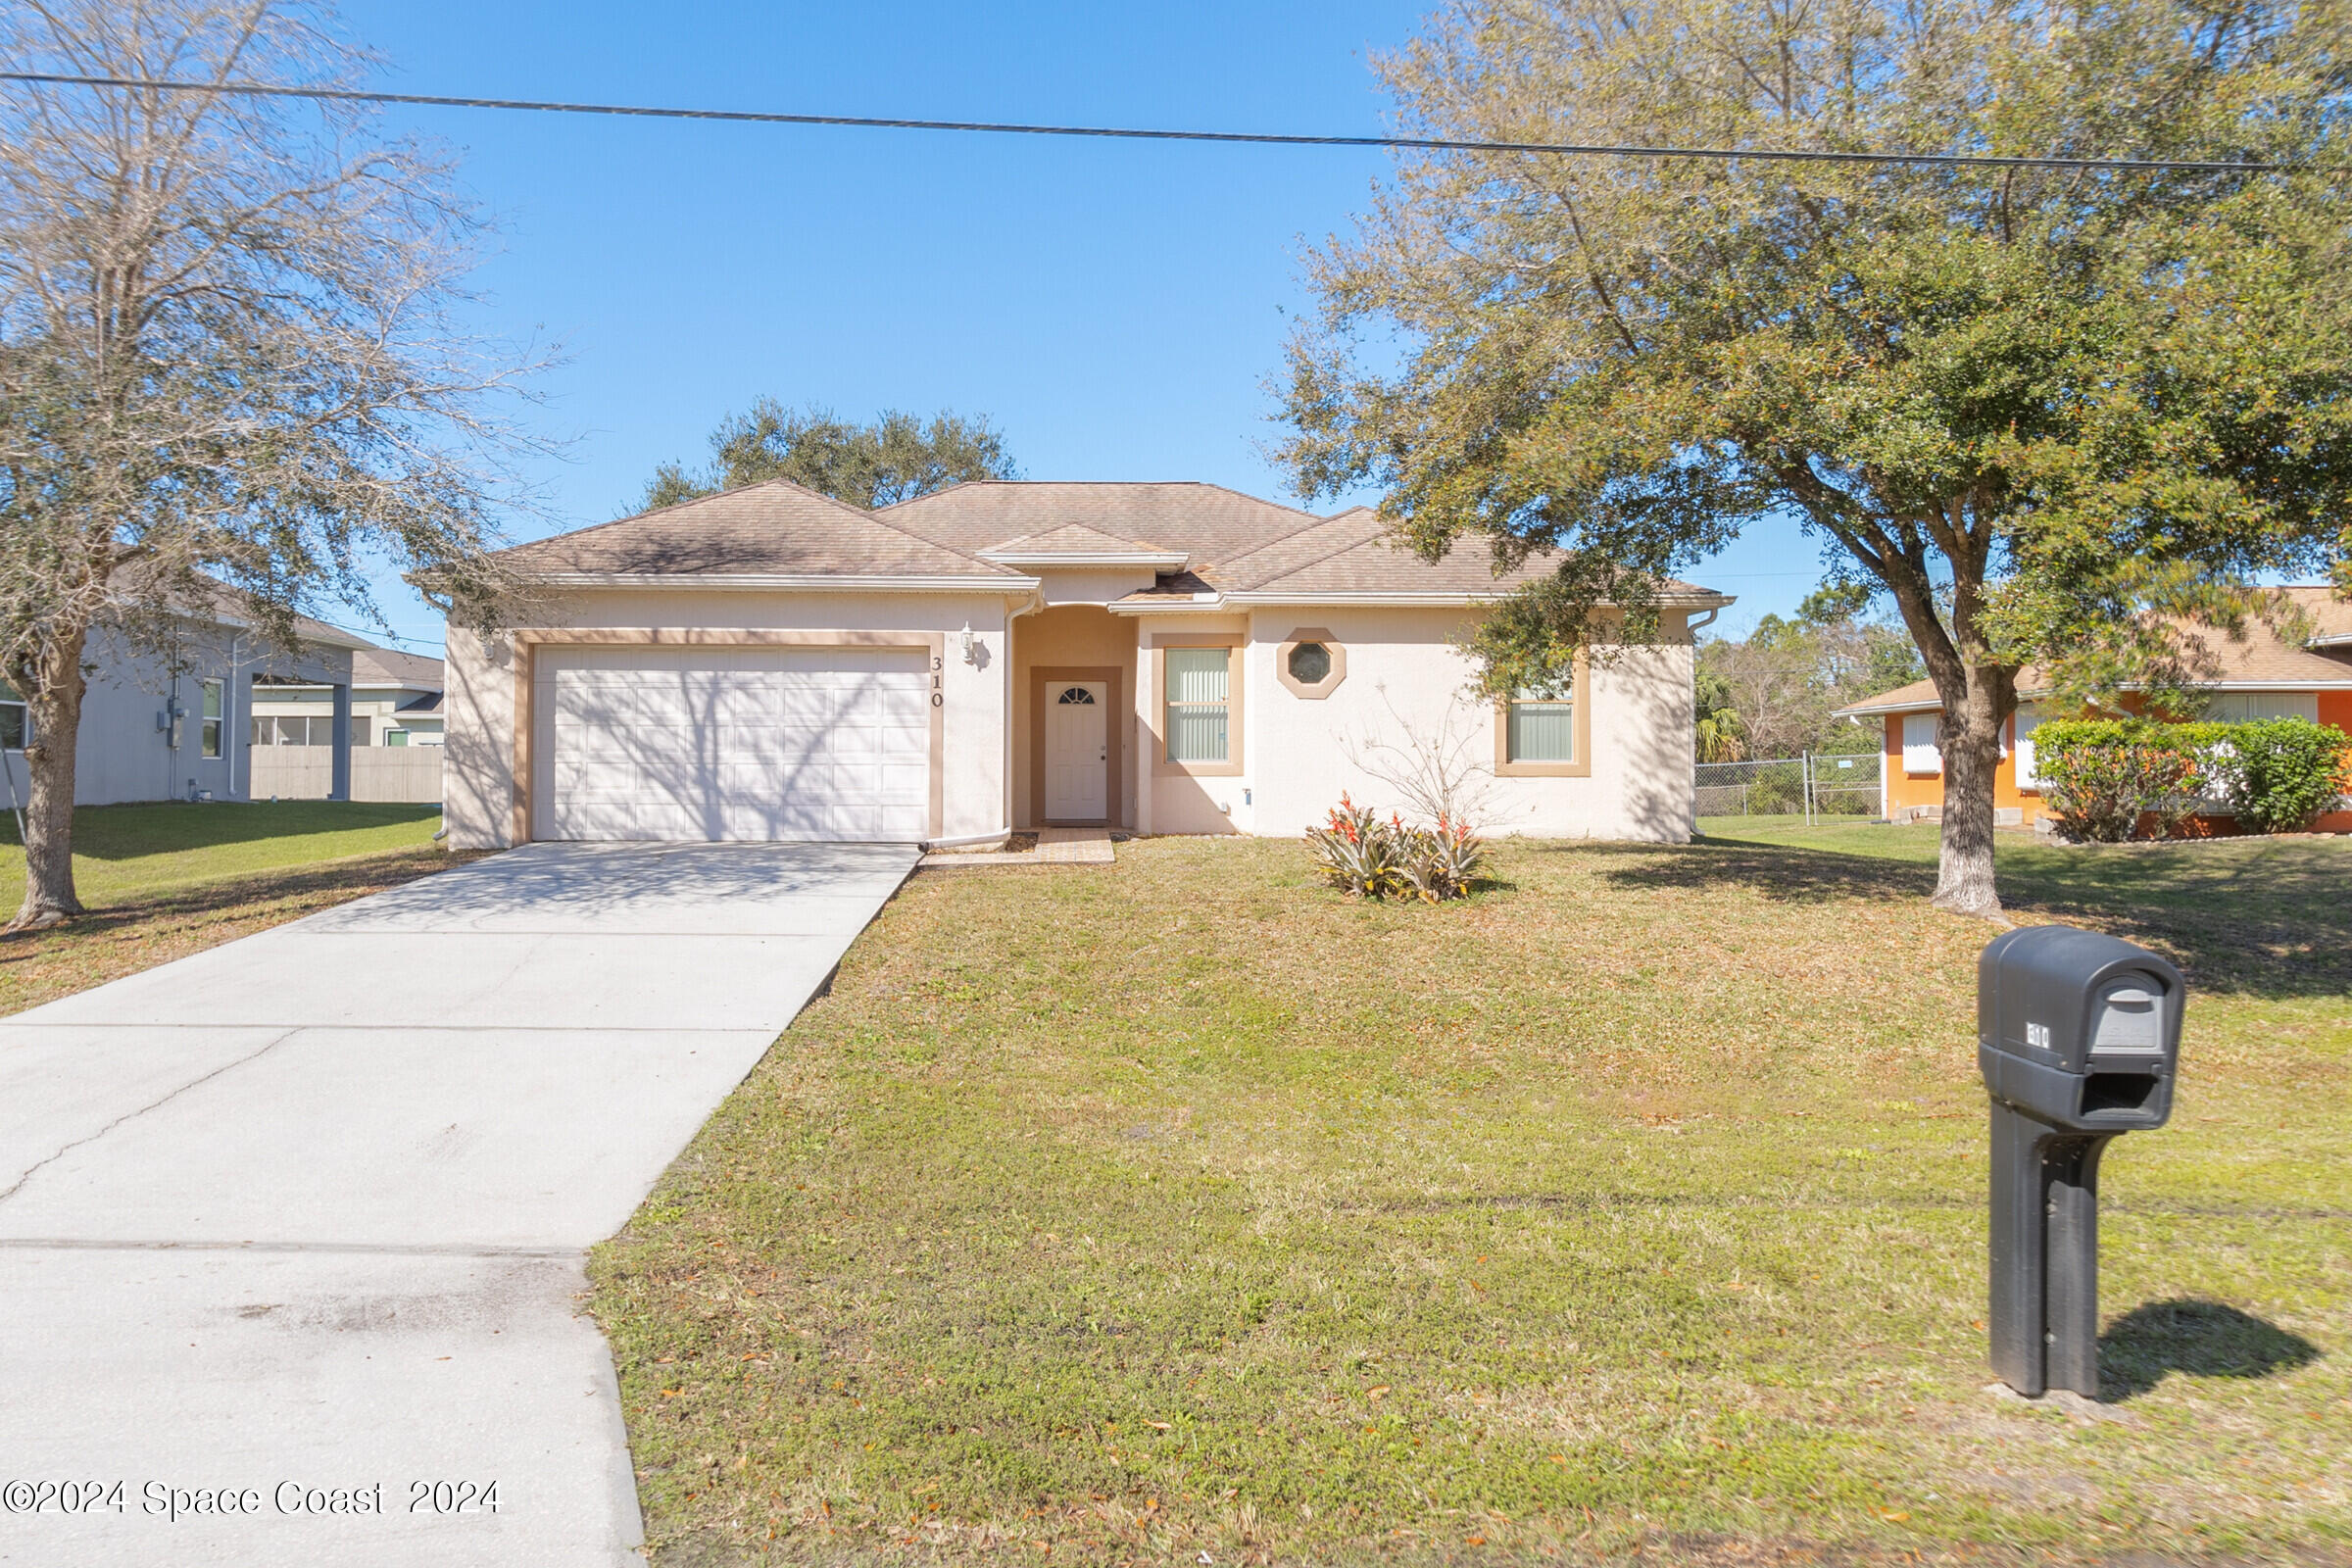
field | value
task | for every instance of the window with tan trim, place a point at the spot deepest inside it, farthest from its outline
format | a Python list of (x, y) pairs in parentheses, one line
[(1200, 688), (1198, 676), (1547, 734)]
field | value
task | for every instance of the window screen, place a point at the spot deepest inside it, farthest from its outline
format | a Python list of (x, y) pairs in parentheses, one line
[(212, 695), (1919, 754), (1199, 680), (1542, 730)]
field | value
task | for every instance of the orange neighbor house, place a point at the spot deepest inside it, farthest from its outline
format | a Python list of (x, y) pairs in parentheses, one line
[(2262, 677)]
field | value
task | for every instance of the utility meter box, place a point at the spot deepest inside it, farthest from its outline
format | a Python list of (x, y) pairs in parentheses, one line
[(2079, 1038), (2078, 1030)]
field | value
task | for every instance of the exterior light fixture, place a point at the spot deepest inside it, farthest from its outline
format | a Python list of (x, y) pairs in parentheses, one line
[(971, 651)]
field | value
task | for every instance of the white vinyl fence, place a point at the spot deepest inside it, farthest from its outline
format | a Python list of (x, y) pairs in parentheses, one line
[(377, 772)]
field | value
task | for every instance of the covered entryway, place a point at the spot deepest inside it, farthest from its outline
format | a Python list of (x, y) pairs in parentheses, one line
[(741, 744)]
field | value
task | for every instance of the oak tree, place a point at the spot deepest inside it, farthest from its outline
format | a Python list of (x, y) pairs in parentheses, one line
[(895, 459), (2048, 410), (230, 352)]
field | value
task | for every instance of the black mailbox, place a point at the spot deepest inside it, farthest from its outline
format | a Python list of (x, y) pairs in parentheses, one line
[(2078, 1035)]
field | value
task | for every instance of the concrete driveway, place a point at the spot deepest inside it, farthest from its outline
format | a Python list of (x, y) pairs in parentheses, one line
[(295, 1226)]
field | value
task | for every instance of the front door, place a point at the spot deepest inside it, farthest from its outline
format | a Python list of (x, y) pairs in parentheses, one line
[(1077, 751)]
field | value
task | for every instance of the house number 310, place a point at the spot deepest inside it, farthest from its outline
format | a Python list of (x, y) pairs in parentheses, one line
[(937, 700)]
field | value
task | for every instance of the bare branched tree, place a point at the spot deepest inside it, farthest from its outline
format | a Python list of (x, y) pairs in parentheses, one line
[(230, 345), (1440, 772)]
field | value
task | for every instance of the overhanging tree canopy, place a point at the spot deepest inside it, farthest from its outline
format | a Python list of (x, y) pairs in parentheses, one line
[(229, 348), (895, 459), (2031, 405)]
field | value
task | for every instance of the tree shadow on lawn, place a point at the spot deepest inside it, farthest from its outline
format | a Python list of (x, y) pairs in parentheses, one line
[(2203, 1339), (2267, 917), (387, 868)]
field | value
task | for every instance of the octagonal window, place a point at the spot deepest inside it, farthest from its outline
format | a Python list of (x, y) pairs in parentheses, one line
[(1310, 663)]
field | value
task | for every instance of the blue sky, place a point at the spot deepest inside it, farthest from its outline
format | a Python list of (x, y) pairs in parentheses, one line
[(1116, 308)]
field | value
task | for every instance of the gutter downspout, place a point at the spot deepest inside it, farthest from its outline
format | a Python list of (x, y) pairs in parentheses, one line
[(231, 728), (968, 839)]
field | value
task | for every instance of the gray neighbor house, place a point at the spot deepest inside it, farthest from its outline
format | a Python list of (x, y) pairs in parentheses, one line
[(212, 709)]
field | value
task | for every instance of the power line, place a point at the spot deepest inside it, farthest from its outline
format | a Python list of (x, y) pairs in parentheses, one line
[(249, 89)]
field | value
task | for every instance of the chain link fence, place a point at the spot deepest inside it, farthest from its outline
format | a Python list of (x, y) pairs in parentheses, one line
[(1814, 786)]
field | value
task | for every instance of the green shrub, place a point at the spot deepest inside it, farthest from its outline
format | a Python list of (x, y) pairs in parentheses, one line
[(2103, 778), (2277, 774), (2106, 779)]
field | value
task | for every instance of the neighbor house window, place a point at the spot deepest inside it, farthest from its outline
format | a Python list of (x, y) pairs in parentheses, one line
[(396, 737), (362, 728), (2237, 708), (278, 729), (1919, 754), (1543, 730), (210, 732), (15, 720), (1198, 702), (2025, 721)]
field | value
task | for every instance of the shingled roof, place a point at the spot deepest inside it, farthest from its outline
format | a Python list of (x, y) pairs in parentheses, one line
[(1209, 541), (1355, 552), (776, 529), (390, 667), (2262, 660), (1206, 524)]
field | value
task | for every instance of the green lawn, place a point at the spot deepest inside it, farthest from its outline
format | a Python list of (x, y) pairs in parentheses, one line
[(166, 880), (126, 852), (1187, 1208)]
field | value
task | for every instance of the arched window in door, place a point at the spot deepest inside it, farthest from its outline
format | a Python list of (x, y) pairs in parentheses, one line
[(1075, 695)]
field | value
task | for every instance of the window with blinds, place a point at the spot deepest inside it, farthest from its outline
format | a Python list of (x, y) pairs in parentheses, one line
[(1199, 700), (1543, 730)]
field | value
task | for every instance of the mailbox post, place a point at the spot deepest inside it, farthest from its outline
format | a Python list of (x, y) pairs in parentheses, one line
[(2078, 1035)]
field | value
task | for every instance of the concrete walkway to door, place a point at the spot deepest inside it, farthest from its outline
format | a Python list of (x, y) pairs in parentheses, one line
[(299, 1220)]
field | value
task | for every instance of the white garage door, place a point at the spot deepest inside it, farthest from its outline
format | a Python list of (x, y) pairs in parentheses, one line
[(718, 743)]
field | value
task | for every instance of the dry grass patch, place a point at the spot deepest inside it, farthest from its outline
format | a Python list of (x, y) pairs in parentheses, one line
[(142, 932), (1185, 1208)]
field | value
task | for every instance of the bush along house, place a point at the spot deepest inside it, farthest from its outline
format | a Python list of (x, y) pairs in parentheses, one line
[(2260, 678)]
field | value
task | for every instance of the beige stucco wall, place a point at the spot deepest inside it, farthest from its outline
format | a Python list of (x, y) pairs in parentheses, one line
[(1171, 801), (480, 697), (1297, 754), (1401, 669)]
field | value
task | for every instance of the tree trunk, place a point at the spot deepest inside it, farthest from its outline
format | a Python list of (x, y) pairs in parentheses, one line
[(54, 707), (1968, 735)]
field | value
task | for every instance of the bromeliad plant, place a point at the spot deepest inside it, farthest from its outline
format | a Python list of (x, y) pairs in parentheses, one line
[(1441, 862), (1357, 853), (1362, 854)]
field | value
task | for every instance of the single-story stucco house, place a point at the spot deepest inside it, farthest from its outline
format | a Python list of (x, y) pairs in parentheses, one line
[(769, 664), (165, 716)]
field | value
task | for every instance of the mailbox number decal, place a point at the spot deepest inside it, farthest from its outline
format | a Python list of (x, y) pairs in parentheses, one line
[(2037, 1035)]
